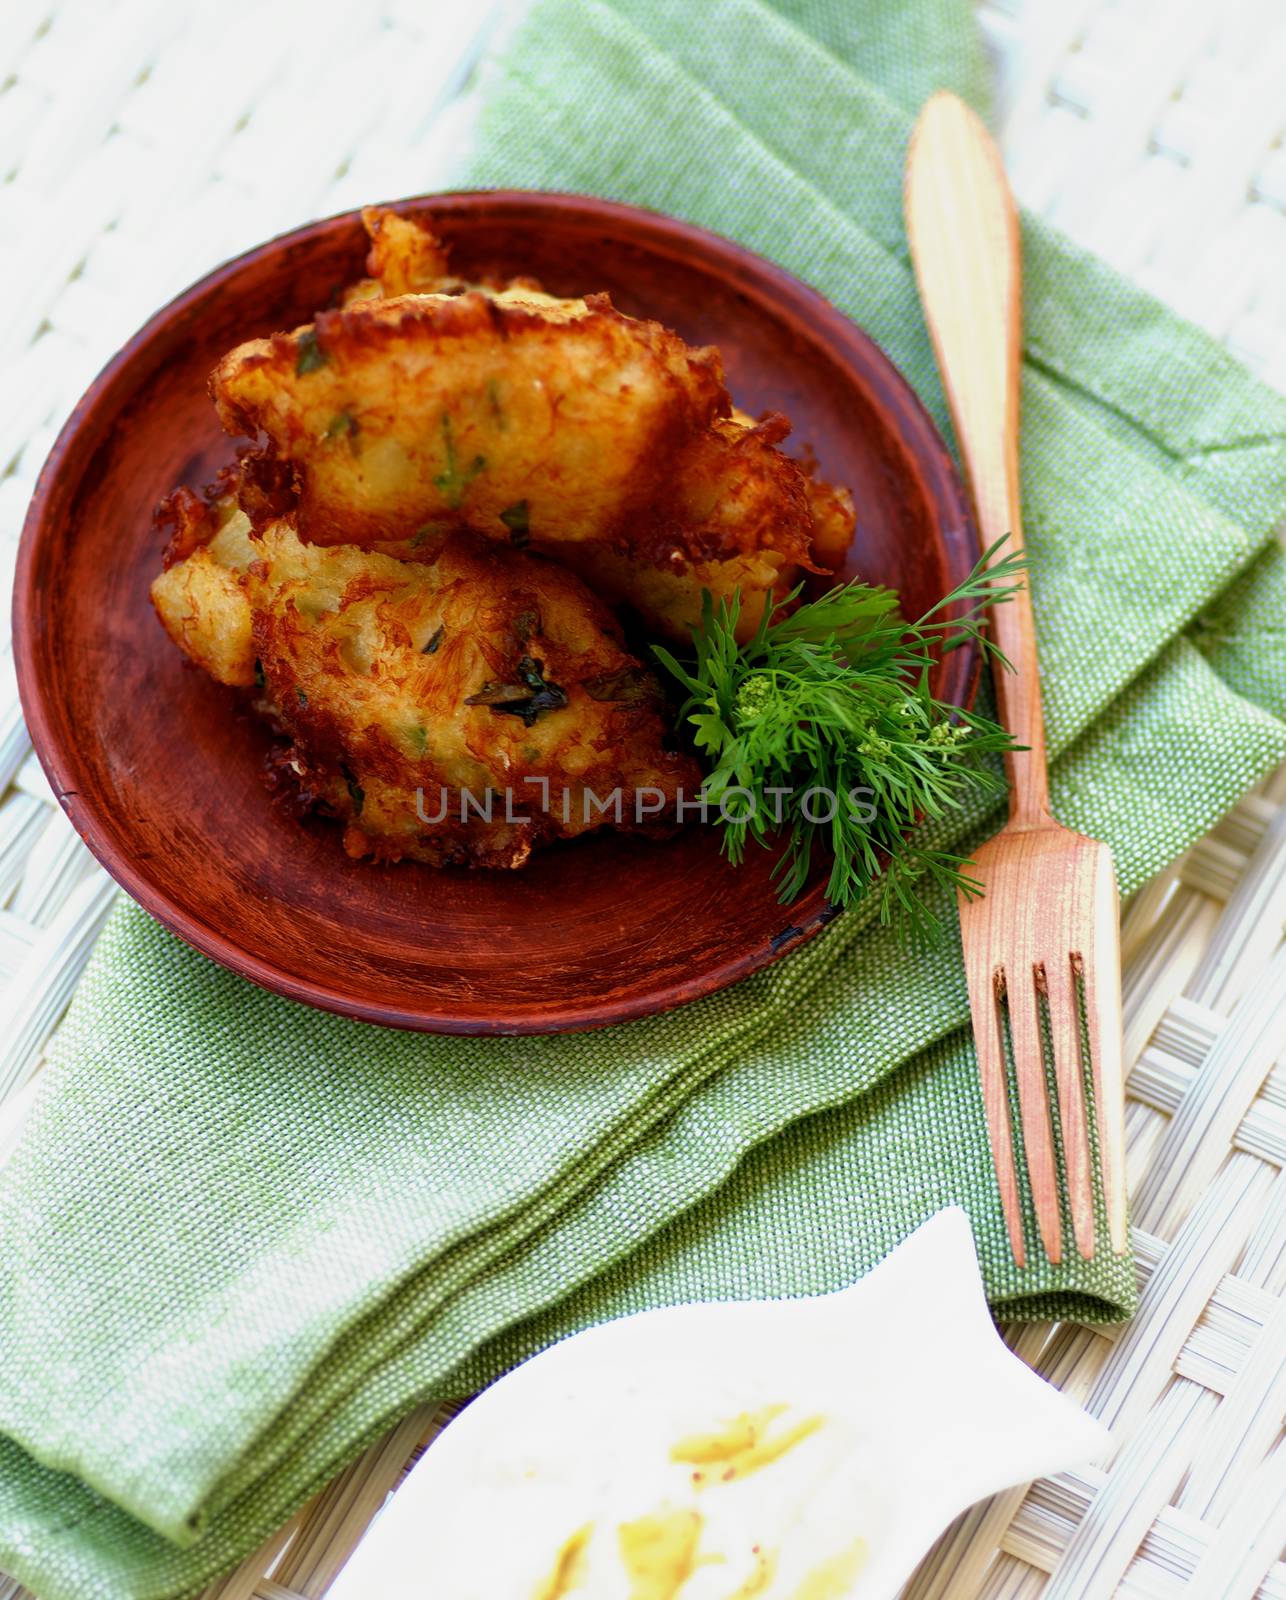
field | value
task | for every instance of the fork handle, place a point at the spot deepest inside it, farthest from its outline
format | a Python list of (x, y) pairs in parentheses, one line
[(963, 229)]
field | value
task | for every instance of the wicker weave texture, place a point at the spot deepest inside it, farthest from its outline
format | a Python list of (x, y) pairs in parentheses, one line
[(1194, 1502), (143, 143), (1151, 131)]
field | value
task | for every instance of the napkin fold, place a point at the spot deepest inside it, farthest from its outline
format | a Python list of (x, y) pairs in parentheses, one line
[(239, 1238)]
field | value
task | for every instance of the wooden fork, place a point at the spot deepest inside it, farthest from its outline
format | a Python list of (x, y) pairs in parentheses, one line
[(1044, 936)]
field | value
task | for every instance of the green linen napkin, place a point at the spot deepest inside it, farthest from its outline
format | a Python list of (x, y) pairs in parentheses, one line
[(239, 1239)]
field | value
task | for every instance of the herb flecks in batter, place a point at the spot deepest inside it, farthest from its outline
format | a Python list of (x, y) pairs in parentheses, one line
[(344, 425), (528, 699), (453, 480), (309, 356), (516, 519), (355, 791)]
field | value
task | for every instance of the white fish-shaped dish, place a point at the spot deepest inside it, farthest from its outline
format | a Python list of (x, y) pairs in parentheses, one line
[(806, 1449)]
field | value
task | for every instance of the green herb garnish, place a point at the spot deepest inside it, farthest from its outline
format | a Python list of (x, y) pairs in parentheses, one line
[(435, 640), (830, 702), (515, 518), (301, 696), (310, 355), (453, 480)]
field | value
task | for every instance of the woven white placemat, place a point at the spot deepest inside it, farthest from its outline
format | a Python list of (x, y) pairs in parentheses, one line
[(144, 141)]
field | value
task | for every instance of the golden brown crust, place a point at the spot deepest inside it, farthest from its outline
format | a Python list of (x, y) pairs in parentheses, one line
[(732, 493), (183, 517), (402, 684), (598, 439), (716, 504), (187, 520), (443, 413), (834, 523), (405, 256), (267, 487), (418, 409), (199, 596)]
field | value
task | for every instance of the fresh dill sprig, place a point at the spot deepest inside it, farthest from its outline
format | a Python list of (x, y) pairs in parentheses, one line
[(821, 728)]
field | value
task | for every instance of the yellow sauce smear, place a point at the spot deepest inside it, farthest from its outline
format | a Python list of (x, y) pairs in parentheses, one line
[(834, 1578), (569, 1569), (740, 1447), (759, 1579), (659, 1553)]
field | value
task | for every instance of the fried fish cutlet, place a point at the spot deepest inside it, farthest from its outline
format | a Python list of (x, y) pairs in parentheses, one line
[(200, 594), (741, 479), (404, 258), (414, 417), (563, 426), (405, 686), (407, 258), (600, 439), (408, 686)]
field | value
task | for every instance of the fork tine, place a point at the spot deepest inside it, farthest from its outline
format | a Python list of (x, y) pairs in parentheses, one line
[(1101, 974), (1033, 1107), (1065, 1030), (984, 1005)]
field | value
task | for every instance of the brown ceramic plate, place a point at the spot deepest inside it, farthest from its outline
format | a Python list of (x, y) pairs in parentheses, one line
[(161, 776)]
